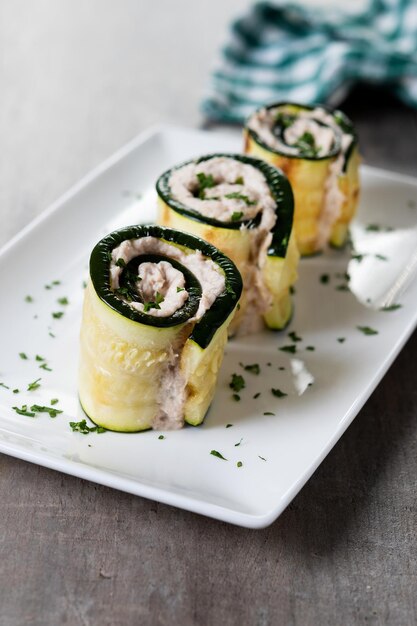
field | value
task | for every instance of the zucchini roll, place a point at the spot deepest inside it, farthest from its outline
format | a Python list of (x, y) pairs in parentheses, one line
[(244, 207), (318, 151), (156, 312)]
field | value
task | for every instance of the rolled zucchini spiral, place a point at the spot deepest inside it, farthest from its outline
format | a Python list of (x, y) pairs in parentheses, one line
[(244, 207), (155, 318), (318, 151)]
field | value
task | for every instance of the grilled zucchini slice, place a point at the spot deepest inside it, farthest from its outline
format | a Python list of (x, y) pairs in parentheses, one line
[(142, 367), (318, 150), (244, 207)]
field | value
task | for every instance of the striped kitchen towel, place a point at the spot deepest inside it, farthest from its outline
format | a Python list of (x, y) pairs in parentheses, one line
[(284, 51)]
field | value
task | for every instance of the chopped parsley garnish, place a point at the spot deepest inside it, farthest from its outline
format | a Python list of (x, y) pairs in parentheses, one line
[(180, 289), (64, 301), (124, 292), (54, 401), (268, 413), (45, 367), (237, 383), (229, 425), (235, 195), (341, 339), (39, 358), (16, 390), (57, 315), (294, 337), (34, 385), (84, 429), (28, 299), (261, 457), (159, 298), (54, 283), (238, 443), (306, 145), (218, 455), (4, 386), (161, 437), (284, 119), (310, 348), (120, 263), (253, 369), (204, 182), (391, 307), (291, 349), (381, 257), (84, 284), (239, 181), (45, 409), (358, 257), (256, 395), (23, 411), (236, 397), (236, 215), (342, 288), (51, 335), (278, 393), (367, 330), (23, 356), (324, 279), (239, 464), (373, 228)]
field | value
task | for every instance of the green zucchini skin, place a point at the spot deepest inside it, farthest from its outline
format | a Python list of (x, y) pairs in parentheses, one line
[(279, 187), (340, 118), (206, 327)]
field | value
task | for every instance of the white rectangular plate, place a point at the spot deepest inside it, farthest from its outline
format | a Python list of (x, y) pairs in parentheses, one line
[(278, 452)]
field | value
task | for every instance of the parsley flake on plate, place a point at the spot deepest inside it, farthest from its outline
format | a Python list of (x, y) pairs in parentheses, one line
[(218, 455), (83, 428), (291, 349), (237, 383), (367, 330), (254, 368), (278, 393), (45, 409), (34, 385), (23, 411)]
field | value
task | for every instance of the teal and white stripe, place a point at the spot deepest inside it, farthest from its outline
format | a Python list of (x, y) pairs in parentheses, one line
[(282, 51)]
